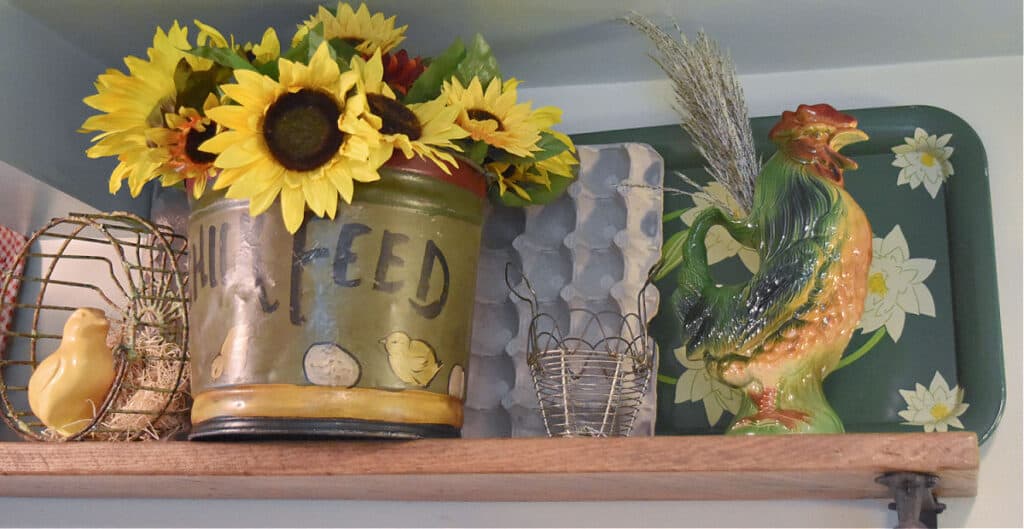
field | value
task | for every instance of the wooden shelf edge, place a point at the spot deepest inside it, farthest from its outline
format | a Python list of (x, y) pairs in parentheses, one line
[(651, 468)]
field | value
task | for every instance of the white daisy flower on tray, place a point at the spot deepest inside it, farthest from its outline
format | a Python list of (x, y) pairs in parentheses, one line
[(924, 159), (896, 285), (936, 408), (697, 385), (720, 244)]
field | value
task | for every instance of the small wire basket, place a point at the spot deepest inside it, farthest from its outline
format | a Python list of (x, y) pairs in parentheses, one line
[(590, 383), (133, 271)]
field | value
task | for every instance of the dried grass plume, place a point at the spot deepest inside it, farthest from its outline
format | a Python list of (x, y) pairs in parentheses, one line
[(710, 103)]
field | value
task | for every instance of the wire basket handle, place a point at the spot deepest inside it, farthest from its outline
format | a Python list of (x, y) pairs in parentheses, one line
[(531, 299)]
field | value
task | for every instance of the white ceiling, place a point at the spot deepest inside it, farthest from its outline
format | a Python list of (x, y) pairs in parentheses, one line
[(567, 42)]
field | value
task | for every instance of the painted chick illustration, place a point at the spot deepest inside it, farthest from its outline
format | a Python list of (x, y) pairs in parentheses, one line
[(414, 361), (69, 385)]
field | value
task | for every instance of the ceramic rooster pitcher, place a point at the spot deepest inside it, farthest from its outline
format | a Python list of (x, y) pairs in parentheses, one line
[(780, 334)]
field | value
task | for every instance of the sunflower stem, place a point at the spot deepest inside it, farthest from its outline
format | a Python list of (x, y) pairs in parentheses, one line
[(863, 350), (667, 379)]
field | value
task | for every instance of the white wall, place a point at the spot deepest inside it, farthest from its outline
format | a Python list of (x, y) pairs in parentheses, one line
[(986, 93)]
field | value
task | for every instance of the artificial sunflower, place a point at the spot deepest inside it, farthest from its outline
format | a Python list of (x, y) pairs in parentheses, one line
[(186, 131), (366, 33), (510, 177), (306, 138), (266, 51), (423, 129), (493, 116), (515, 176), (521, 174), (134, 106)]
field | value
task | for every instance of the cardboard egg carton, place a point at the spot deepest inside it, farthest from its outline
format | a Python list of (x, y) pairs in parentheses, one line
[(591, 249)]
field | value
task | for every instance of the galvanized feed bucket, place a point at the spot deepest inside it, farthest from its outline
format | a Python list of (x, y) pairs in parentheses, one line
[(353, 327)]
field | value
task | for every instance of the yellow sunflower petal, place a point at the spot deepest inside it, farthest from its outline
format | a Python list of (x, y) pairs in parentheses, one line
[(316, 190), (230, 116), (223, 141), (268, 49), (199, 187), (238, 156), (208, 33), (293, 208), (342, 181), (262, 202), (253, 89), (117, 177), (369, 32)]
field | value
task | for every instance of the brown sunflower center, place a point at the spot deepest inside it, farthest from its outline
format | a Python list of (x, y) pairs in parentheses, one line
[(396, 117), (301, 129), (194, 139), (483, 115)]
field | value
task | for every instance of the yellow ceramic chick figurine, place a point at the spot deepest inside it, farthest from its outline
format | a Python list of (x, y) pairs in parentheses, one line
[(414, 361), (70, 384)]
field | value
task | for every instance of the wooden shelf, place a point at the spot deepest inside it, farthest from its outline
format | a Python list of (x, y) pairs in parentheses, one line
[(658, 468)]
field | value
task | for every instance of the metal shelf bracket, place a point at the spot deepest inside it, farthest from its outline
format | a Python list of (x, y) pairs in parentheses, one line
[(916, 504)]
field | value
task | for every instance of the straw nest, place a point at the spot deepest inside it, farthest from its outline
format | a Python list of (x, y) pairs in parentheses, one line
[(153, 402)]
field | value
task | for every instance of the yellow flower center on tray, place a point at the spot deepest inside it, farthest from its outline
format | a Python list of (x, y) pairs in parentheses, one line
[(927, 159), (876, 284), (301, 129), (940, 411)]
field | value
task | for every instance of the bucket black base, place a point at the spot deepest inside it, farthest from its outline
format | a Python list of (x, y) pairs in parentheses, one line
[(278, 429)]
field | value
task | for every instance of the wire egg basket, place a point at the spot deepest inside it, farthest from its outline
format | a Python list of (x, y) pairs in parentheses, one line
[(592, 377), (130, 269)]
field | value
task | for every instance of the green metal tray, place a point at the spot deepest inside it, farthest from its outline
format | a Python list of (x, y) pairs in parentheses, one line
[(961, 342)]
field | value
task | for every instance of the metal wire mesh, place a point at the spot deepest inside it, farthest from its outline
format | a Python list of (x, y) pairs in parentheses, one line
[(592, 382), (134, 274)]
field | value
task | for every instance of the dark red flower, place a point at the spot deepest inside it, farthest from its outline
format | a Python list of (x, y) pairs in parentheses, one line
[(400, 72)]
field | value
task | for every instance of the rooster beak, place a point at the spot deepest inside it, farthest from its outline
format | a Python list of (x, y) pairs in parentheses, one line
[(844, 137)]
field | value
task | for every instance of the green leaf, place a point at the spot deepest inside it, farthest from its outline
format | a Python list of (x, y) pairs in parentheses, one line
[(223, 57), (549, 146), (303, 50), (441, 69), (299, 51), (477, 152), (193, 87), (315, 38), (181, 72), (343, 51), (479, 62), (269, 69), (671, 255)]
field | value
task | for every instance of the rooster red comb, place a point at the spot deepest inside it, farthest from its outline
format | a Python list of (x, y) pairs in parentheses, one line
[(813, 136)]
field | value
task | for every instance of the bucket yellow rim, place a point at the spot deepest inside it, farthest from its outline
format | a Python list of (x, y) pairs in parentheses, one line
[(323, 402)]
